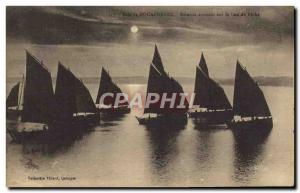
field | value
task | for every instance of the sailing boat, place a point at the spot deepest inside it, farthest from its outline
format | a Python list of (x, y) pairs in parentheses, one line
[(160, 82), (13, 101), (108, 106), (75, 107), (32, 101), (211, 105), (249, 104)]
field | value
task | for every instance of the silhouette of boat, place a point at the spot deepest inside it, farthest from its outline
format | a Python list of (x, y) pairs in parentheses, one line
[(251, 110), (160, 82), (107, 107), (31, 102), (76, 110), (211, 105), (43, 116), (13, 101)]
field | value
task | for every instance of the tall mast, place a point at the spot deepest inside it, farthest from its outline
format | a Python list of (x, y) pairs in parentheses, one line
[(22, 86)]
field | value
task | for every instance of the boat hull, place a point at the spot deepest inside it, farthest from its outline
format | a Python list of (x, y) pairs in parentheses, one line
[(22, 132), (211, 117), (75, 127), (87, 121), (178, 119), (13, 114), (114, 111), (57, 130), (253, 129)]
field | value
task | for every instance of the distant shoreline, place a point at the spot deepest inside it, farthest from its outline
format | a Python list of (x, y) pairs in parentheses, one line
[(285, 81)]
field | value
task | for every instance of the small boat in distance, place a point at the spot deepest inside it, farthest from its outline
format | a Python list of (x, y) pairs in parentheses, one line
[(249, 104), (160, 82), (108, 106), (31, 102), (211, 105)]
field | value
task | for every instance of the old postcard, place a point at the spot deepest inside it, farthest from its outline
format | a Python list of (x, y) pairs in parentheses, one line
[(150, 96)]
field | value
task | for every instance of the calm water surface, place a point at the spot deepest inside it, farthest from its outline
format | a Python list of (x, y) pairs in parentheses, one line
[(124, 153)]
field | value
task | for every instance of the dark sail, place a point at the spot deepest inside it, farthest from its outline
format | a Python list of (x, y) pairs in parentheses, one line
[(249, 100), (84, 101), (156, 60), (172, 86), (108, 86), (159, 82), (71, 95), (218, 98), (209, 94), (13, 97), (201, 89), (65, 93), (38, 92), (154, 85), (203, 66)]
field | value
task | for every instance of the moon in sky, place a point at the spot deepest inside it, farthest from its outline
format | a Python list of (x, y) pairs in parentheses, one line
[(134, 29)]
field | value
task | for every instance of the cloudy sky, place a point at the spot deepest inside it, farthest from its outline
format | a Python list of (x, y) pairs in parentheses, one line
[(125, 36)]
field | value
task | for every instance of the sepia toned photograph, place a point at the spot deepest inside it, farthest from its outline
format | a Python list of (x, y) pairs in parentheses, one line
[(150, 96)]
